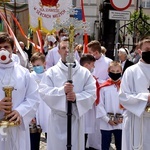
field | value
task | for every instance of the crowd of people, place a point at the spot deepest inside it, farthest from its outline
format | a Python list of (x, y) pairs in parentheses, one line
[(108, 98)]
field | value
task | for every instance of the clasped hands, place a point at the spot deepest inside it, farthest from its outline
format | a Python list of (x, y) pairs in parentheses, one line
[(5, 106), (114, 123), (70, 95)]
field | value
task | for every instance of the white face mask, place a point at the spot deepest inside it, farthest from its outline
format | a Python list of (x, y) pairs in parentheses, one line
[(4, 56)]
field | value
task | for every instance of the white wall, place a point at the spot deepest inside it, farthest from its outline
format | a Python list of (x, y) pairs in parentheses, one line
[(91, 9)]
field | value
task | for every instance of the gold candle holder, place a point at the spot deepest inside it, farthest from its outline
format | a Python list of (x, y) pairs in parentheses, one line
[(5, 121)]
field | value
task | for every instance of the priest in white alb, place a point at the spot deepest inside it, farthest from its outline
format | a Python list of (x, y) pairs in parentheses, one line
[(56, 91)]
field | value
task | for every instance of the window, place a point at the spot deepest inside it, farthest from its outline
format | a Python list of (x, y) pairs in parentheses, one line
[(146, 3)]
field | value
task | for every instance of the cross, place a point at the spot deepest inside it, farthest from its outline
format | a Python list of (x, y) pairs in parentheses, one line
[(149, 89)]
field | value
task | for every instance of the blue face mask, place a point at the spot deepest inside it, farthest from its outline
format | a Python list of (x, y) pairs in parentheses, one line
[(38, 69)]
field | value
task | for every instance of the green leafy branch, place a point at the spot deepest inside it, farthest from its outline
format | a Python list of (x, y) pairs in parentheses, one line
[(138, 24)]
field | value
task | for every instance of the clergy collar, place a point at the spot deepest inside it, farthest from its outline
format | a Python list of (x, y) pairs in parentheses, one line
[(65, 63)]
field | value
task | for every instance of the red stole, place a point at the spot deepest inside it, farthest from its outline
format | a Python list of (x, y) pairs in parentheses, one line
[(97, 91), (111, 82)]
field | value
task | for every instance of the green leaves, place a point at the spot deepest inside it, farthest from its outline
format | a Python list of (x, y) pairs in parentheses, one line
[(139, 24)]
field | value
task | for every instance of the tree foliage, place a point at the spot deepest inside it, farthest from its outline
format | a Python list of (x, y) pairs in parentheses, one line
[(139, 24)]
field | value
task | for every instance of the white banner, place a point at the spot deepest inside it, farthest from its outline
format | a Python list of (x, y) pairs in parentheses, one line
[(43, 13)]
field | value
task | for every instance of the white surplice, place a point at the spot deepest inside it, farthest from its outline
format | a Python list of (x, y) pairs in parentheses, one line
[(52, 92), (109, 103), (134, 96), (90, 120), (15, 58), (25, 99), (43, 112), (101, 68)]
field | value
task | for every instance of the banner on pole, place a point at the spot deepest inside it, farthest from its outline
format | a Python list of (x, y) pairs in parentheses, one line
[(44, 13)]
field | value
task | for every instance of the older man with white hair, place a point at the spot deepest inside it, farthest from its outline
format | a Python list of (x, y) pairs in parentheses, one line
[(124, 55)]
